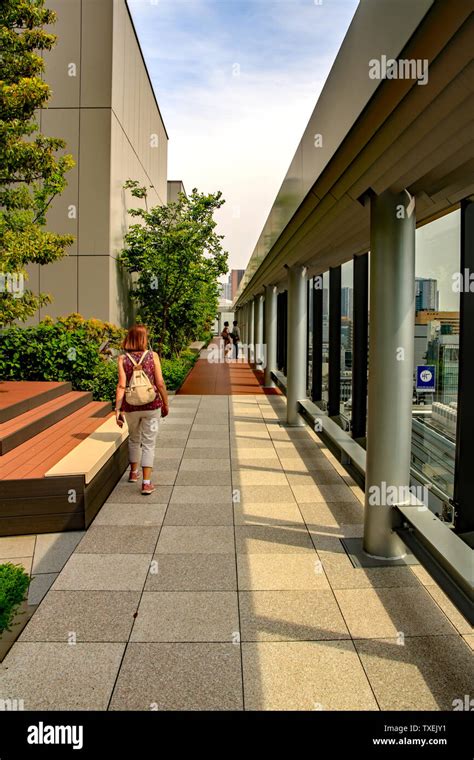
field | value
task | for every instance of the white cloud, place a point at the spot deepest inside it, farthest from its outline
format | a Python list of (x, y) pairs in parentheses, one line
[(238, 134)]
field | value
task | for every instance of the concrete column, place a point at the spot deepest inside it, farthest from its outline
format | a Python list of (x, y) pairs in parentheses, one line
[(391, 356), (245, 334), (270, 333), (258, 331), (251, 351), (297, 326)]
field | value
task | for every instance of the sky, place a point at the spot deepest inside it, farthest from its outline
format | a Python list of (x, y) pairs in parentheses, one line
[(236, 82)]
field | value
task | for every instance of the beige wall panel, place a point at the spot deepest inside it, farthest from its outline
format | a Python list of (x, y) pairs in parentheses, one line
[(139, 117), (96, 53), (118, 57), (124, 165), (60, 281), (94, 288), (63, 213), (63, 62), (94, 181), (122, 310)]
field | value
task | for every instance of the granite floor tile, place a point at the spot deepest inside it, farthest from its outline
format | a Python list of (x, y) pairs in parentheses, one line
[(209, 452), (119, 539), (16, 546), (52, 550), (376, 613), (262, 539), (39, 586), (272, 494), (199, 514), (192, 572), (423, 673), (278, 514), (255, 477), (295, 615), (104, 572), (130, 493), (205, 494), (309, 675), (187, 616), (83, 616), (196, 539), (215, 477), (458, 620), (322, 477), (58, 676), (139, 515), (274, 572), (326, 494), (205, 466), (179, 677)]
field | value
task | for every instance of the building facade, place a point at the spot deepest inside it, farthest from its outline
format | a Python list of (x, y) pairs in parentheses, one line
[(104, 107)]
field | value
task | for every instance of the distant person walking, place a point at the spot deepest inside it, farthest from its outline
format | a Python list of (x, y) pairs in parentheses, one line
[(235, 335), (141, 398), (227, 338)]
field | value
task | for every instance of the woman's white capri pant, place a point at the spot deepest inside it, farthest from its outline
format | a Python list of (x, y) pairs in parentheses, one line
[(142, 431)]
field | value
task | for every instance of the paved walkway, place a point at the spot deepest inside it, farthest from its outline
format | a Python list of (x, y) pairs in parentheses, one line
[(228, 588)]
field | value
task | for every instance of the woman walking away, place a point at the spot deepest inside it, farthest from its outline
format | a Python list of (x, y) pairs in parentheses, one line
[(142, 397)]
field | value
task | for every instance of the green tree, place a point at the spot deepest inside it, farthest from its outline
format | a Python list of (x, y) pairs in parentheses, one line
[(31, 171), (178, 258)]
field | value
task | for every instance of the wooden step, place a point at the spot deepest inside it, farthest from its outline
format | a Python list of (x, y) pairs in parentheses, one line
[(17, 397), (92, 453), (25, 426), (33, 458)]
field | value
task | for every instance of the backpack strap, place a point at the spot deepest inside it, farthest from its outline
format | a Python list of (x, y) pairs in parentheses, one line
[(136, 364)]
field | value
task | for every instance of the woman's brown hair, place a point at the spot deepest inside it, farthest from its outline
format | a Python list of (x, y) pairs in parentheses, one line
[(136, 339)]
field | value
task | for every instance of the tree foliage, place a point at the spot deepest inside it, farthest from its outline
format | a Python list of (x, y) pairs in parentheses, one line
[(31, 171), (177, 257)]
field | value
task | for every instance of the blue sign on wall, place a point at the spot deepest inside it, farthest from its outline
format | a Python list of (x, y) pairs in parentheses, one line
[(425, 378)]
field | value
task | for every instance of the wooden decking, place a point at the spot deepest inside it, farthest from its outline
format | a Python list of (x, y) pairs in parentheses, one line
[(42, 424), (223, 378), (16, 398), (37, 455)]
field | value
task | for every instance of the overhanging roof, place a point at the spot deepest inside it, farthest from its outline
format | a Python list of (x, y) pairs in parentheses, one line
[(378, 134)]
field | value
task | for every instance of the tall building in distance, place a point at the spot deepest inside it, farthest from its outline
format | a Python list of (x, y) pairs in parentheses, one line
[(427, 294), (449, 320), (346, 302), (235, 277)]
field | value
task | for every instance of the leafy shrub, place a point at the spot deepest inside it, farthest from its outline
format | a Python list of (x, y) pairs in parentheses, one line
[(176, 369), (14, 583), (95, 329), (63, 350), (48, 352), (104, 382), (68, 350)]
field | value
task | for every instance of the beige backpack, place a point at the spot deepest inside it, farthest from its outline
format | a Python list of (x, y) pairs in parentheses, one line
[(140, 390)]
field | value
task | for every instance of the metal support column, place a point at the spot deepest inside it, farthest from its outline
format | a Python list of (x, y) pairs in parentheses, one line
[(360, 346), (258, 331), (296, 369), (317, 348), (251, 350), (334, 373), (464, 472), (391, 356), (270, 333)]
